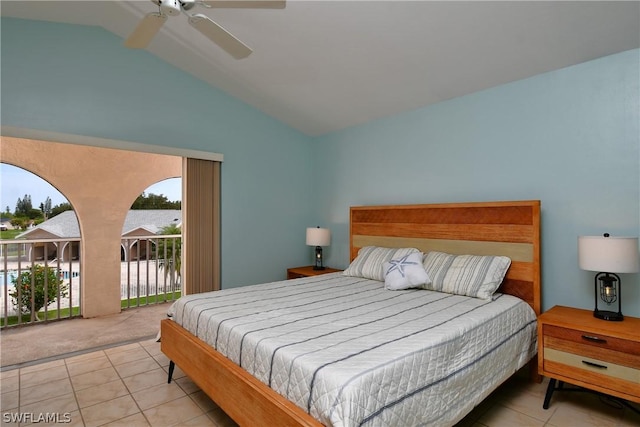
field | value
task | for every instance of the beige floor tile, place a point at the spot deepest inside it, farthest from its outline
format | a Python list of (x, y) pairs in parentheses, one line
[(152, 347), (157, 395), (145, 380), (45, 391), (201, 421), (501, 416), (524, 401), (101, 393), (84, 357), (186, 384), (76, 420), (472, 417), (173, 413), (135, 420), (10, 400), (587, 408), (569, 415), (109, 411), (59, 404), (221, 419), (137, 366), (9, 384), (177, 373), (88, 365), (95, 378), (122, 348), (203, 401), (162, 359), (9, 374), (131, 355), (42, 366), (33, 378)]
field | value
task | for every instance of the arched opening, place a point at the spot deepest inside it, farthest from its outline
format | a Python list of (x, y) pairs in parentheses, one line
[(150, 246), (40, 238)]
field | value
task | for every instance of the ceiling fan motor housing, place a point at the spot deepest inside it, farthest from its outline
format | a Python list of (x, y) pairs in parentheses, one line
[(169, 7), (187, 4)]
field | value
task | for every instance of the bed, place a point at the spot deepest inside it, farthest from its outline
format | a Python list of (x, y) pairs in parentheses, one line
[(370, 376)]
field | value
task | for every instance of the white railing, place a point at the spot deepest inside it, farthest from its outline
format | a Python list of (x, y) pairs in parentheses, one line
[(149, 274), (40, 281)]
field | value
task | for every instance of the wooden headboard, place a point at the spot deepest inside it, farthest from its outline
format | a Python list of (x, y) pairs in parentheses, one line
[(487, 228)]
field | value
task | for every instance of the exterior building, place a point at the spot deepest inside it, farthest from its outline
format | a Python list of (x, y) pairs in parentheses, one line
[(138, 225)]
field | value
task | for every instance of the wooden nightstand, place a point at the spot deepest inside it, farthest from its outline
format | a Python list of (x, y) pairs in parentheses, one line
[(298, 272), (600, 355)]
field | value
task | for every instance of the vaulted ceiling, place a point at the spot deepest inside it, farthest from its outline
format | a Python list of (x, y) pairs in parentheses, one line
[(321, 66)]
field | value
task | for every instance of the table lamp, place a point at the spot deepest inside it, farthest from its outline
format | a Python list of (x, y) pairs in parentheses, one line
[(608, 255), (318, 237)]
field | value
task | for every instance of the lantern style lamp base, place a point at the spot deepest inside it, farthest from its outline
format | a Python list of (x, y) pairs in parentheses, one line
[(607, 289), (608, 315), (318, 265)]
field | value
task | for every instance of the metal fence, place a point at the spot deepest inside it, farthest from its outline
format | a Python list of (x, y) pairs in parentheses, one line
[(150, 271), (41, 279)]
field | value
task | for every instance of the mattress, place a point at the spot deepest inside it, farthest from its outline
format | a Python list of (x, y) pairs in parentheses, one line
[(351, 353)]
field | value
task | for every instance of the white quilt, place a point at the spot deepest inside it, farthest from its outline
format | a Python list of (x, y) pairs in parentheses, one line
[(351, 353)]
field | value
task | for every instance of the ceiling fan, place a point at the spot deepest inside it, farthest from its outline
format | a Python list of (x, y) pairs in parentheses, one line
[(152, 22)]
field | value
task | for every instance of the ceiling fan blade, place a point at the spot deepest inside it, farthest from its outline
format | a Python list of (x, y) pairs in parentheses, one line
[(247, 4), (219, 36), (145, 31)]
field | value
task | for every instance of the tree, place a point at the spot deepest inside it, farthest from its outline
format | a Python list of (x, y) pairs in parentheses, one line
[(20, 222), (23, 206), (58, 209), (154, 201), (46, 208), (169, 253), (38, 274)]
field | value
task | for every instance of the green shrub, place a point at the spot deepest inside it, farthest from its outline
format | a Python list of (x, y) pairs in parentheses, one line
[(23, 282)]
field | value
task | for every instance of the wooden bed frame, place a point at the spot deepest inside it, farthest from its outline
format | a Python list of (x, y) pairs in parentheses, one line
[(497, 228)]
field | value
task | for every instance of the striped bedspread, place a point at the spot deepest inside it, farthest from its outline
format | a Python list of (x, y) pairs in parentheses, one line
[(351, 353)]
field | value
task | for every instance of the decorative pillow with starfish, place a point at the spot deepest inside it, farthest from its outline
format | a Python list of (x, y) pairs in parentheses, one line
[(405, 272)]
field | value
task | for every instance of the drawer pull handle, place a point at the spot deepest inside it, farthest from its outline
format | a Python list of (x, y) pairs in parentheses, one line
[(594, 339), (594, 365)]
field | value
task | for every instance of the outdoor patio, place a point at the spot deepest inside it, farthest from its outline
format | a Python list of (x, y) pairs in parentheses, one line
[(32, 344)]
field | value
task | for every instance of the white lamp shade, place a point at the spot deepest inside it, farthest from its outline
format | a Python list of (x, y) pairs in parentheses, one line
[(609, 254), (318, 236)]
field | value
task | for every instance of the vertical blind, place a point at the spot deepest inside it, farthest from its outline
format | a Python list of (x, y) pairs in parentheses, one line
[(201, 225)]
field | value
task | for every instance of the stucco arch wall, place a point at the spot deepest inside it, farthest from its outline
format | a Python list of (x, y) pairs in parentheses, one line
[(101, 184)]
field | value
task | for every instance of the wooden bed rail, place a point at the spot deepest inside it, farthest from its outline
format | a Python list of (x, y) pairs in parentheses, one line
[(240, 395)]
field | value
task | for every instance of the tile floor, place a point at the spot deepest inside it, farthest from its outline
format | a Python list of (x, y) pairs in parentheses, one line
[(127, 386)]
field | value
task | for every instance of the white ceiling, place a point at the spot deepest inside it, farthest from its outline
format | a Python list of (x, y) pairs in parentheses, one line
[(321, 66)]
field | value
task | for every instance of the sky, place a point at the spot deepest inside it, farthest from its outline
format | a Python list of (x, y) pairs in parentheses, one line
[(16, 182)]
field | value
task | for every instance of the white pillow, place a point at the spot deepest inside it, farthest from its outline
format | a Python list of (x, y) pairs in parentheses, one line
[(405, 272), (368, 263), (471, 275)]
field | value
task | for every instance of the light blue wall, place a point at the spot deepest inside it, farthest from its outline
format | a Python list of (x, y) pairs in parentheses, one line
[(569, 138), (81, 80)]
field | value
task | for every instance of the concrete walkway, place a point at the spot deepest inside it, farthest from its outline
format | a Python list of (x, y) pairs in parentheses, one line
[(27, 345)]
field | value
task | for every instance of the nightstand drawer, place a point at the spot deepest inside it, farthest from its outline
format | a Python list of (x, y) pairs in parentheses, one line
[(591, 339), (586, 366)]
